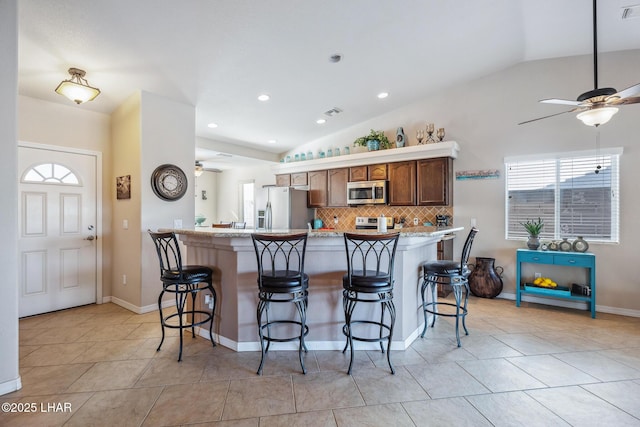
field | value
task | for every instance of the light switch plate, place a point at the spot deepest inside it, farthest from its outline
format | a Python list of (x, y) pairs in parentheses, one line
[(177, 223)]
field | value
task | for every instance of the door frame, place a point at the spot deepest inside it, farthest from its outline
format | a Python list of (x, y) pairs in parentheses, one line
[(98, 190)]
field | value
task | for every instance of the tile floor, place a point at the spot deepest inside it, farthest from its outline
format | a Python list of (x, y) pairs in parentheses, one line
[(534, 365)]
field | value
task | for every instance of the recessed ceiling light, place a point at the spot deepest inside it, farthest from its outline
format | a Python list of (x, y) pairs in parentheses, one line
[(336, 57), (631, 11), (263, 97), (212, 125), (383, 95), (272, 141), (321, 121)]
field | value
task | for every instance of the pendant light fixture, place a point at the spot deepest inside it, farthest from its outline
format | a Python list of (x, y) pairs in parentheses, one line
[(199, 169), (77, 88)]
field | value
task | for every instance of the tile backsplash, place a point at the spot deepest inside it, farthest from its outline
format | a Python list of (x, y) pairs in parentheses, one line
[(347, 216)]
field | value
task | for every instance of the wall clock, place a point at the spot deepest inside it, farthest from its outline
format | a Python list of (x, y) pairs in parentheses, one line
[(169, 182)]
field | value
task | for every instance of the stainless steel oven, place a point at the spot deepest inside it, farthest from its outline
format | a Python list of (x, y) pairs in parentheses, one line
[(367, 193)]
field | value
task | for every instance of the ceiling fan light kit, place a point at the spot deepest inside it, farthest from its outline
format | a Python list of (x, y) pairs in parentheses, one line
[(597, 116), (77, 89), (596, 107)]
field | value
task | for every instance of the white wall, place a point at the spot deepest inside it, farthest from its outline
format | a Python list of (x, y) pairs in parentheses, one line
[(482, 116), (227, 198), (208, 182), (9, 376)]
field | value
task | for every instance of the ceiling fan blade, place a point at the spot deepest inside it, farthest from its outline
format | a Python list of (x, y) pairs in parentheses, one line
[(560, 101), (552, 115), (625, 101), (633, 91)]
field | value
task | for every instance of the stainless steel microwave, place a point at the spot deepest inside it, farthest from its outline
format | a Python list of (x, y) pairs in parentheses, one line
[(367, 193)]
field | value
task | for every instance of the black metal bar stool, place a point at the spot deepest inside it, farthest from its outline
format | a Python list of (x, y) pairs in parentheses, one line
[(369, 279), (182, 280), (448, 272), (281, 279)]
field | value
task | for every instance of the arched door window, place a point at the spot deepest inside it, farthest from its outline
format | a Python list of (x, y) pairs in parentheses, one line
[(50, 173)]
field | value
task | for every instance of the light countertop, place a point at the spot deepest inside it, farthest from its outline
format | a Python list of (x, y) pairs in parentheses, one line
[(231, 232)]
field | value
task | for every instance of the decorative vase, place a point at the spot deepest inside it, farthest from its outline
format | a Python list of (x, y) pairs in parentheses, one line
[(565, 245), (533, 243), (485, 280), (580, 245), (373, 145), (400, 138)]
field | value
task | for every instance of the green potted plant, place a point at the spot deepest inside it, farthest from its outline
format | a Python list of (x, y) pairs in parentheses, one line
[(533, 228), (375, 140)]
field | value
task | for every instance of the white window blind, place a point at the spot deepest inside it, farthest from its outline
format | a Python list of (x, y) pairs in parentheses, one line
[(575, 194)]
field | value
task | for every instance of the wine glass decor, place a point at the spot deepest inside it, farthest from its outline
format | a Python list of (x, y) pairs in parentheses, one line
[(430, 129), (440, 134), (420, 136)]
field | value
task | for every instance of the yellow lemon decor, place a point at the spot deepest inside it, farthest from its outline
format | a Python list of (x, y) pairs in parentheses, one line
[(545, 282)]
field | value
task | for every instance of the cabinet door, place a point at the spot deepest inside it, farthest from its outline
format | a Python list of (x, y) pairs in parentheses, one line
[(378, 172), (337, 193), (402, 183), (357, 173), (434, 182), (283, 180), (317, 189), (299, 178)]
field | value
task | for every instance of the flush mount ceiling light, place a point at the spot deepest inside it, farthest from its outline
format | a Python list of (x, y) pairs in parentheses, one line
[(212, 125), (77, 88), (383, 95), (264, 97), (198, 169), (321, 121), (272, 141)]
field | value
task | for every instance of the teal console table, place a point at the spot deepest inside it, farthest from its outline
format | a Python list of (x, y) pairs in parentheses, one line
[(568, 259)]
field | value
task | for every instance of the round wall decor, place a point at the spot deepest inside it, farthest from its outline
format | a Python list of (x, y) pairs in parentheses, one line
[(169, 182)]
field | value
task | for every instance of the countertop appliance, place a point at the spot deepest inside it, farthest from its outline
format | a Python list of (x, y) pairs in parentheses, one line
[(367, 193), (443, 220), (288, 208), (371, 223)]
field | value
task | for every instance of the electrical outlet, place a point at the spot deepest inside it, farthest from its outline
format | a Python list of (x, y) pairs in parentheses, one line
[(207, 298), (415, 221), (125, 224), (124, 279), (177, 223), (473, 222), (537, 275)]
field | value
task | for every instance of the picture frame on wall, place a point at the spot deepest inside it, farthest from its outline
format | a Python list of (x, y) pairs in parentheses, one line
[(123, 187)]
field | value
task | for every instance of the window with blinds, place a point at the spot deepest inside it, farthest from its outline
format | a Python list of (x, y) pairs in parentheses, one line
[(575, 194)]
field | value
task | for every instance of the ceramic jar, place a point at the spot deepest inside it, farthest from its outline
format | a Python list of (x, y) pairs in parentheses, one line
[(485, 280)]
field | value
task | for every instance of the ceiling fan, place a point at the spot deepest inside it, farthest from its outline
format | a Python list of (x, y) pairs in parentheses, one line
[(597, 106)]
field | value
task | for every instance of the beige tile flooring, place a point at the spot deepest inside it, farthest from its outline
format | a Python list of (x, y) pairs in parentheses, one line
[(534, 365)]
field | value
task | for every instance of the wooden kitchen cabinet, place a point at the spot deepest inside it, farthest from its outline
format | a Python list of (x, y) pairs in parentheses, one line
[(358, 173), (377, 172), (434, 181), (283, 180), (299, 178), (337, 187), (368, 173), (317, 189), (402, 183)]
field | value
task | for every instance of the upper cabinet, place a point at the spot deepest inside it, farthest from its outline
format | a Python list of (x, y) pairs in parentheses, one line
[(358, 173), (283, 180), (337, 191), (291, 179), (435, 182), (317, 189), (402, 183), (377, 172)]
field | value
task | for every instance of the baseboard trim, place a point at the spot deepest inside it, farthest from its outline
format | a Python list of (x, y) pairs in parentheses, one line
[(140, 310), (571, 304), (10, 386), (311, 345)]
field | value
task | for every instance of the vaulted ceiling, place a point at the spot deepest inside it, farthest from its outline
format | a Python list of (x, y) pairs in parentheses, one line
[(219, 55)]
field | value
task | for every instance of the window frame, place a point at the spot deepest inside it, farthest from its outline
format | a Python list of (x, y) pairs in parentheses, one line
[(612, 154)]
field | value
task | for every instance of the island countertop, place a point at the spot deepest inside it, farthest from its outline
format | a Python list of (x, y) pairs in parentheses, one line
[(231, 232)]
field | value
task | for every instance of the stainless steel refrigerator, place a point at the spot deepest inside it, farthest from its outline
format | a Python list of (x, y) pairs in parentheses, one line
[(288, 208)]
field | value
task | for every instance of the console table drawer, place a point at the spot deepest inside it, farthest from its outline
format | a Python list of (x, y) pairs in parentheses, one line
[(536, 257), (576, 261)]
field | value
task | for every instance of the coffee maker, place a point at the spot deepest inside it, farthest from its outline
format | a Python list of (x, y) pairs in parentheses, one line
[(442, 220)]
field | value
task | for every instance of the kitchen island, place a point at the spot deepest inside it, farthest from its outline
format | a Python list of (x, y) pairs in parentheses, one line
[(231, 254)]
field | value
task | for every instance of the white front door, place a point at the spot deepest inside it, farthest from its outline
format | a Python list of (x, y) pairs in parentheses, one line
[(57, 230)]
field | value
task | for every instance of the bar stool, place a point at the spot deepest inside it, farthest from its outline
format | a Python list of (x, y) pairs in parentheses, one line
[(449, 272), (281, 279), (182, 280), (369, 279)]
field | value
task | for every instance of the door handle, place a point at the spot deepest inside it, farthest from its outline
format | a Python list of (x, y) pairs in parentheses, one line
[(90, 238)]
